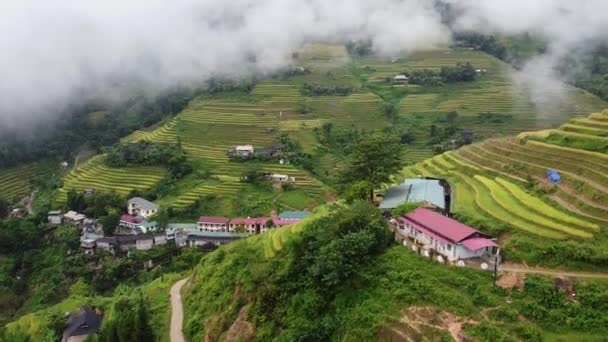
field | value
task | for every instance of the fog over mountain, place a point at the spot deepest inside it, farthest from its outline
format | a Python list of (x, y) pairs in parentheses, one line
[(60, 51)]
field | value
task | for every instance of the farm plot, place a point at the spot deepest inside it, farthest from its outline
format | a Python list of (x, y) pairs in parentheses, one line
[(15, 182), (96, 175)]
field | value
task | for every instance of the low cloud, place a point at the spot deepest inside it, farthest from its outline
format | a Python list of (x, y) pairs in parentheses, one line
[(57, 52)]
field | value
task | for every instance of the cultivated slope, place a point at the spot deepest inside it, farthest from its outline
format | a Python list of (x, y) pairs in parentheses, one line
[(503, 182)]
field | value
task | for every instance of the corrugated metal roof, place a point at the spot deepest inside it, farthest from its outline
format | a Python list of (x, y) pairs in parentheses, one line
[(414, 190), (293, 215)]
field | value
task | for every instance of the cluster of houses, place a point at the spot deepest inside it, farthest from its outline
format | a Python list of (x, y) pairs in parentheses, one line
[(136, 231), (430, 231)]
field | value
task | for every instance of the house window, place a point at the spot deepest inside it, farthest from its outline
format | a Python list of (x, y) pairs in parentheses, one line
[(449, 247)]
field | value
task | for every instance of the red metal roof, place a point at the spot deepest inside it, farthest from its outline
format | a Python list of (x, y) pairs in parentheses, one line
[(474, 244), (440, 225), (249, 220), (131, 219), (279, 222), (213, 219)]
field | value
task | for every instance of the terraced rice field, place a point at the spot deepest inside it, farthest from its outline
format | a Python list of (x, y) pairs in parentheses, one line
[(15, 182), (486, 196), (488, 180), (94, 174), (209, 128)]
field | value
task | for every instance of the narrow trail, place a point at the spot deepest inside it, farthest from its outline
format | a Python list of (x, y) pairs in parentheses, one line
[(177, 312), (517, 268)]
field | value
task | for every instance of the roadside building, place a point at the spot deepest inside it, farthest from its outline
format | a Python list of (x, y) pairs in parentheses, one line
[(438, 234), (138, 206), (81, 325), (213, 224), (55, 217)]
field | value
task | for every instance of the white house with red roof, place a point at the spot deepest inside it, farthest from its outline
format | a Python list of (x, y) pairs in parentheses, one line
[(252, 225), (213, 224), (448, 237)]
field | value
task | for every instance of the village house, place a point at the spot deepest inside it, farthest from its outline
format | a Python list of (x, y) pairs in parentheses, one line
[(107, 244), (138, 206), (213, 224), (73, 218), (160, 239), (280, 178), (88, 242), (82, 324), (139, 242), (54, 217), (401, 79), (244, 150), (450, 239), (250, 225), (277, 222), (137, 223)]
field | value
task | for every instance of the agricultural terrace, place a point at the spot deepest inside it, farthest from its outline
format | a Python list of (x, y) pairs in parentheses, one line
[(501, 183), (491, 106), (210, 125), (94, 174), (207, 128), (15, 182)]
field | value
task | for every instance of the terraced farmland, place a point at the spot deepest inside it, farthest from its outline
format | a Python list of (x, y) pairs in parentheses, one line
[(94, 174), (15, 182), (489, 180)]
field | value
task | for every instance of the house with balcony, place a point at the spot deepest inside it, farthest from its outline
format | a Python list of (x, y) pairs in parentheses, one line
[(213, 224), (251, 225), (434, 233), (138, 206)]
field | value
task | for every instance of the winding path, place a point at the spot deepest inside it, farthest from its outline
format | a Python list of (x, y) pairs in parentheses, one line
[(518, 268), (177, 312)]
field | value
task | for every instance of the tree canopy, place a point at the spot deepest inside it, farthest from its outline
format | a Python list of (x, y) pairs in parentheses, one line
[(374, 159)]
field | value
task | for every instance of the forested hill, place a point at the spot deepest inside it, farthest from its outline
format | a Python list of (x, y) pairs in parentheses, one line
[(338, 277)]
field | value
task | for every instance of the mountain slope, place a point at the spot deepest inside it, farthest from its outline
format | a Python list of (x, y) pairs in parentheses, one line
[(243, 292)]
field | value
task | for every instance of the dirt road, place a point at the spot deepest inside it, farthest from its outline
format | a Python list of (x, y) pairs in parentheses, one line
[(517, 268), (177, 311)]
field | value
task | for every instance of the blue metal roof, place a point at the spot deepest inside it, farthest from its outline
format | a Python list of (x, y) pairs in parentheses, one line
[(414, 190), (293, 215)]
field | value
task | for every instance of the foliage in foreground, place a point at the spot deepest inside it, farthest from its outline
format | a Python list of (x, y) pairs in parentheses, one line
[(336, 280)]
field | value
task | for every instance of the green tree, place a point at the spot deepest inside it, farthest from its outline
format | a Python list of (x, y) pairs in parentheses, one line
[(451, 118), (374, 159), (109, 222), (358, 191), (391, 111), (3, 209), (76, 201), (161, 217)]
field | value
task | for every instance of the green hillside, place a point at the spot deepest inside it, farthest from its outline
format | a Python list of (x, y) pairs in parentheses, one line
[(501, 184), (278, 286), (489, 106)]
